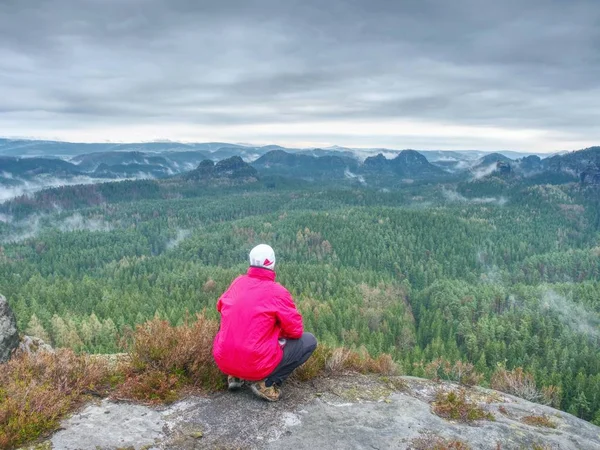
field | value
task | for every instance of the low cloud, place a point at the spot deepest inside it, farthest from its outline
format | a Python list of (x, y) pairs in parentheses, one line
[(455, 197), (29, 187), (77, 222), (354, 176), (572, 314), (25, 229), (34, 225), (363, 153), (178, 239), (492, 273), (484, 171)]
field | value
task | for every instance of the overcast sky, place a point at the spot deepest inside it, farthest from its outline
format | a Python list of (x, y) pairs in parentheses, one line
[(427, 74)]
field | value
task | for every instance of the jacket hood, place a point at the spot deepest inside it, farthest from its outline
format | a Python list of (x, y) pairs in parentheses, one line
[(262, 273)]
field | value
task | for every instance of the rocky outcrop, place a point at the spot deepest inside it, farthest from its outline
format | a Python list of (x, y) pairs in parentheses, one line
[(228, 171), (349, 412), (408, 163), (301, 165), (503, 168), (532, 163), (33, 345), (9, 335), (590, 176), (574, 162), (378, 163)]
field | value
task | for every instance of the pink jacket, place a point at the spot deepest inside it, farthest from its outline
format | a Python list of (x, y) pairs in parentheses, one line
[(255, 312)]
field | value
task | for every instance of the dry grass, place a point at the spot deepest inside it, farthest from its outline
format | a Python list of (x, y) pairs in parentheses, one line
[(539, 421), (165, 359), (455, 406), (463, 373), (431, 441), (329, 361), (522, 384), (37, 391)]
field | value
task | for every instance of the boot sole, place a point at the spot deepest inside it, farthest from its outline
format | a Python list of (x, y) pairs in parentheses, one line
[(261, 395), (235, 386)]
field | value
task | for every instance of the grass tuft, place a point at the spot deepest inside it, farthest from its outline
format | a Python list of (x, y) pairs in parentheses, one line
[(539, 421), (431, 441), (336, 361), (461, 372), (455, 406)]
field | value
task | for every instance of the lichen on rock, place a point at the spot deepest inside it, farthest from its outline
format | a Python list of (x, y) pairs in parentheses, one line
[(350, 411)]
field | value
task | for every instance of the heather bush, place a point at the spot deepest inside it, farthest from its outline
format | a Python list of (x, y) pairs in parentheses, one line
[(166, 358), (36, 391)]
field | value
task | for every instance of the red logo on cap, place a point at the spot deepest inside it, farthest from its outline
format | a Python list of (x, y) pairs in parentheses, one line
[(267, 262)]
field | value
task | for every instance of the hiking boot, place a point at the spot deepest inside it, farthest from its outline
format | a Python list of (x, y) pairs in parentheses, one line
[(270, 393), (233, 383)]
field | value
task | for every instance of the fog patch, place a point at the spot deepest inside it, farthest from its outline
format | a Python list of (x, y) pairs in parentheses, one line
[(180, 237), (77, 222), (353, 176), (24, 230), (572, 314), (455, 197), (482, 172), (363, 153), (29, 187), (34, 225), (492, 274), (570, 171), (251, 157)]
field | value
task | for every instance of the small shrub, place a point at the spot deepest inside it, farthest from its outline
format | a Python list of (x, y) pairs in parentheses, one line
[(539, 421), (455, 406), (463, 373), (165, 359), (326, 360), (36, 391), (552, 395), (153, 386), (209, 286), (431, 441), (315, 365), (516, 382), (503, 410), (361, 361)]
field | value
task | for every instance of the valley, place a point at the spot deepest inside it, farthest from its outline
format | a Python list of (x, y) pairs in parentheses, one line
[(489, 260)]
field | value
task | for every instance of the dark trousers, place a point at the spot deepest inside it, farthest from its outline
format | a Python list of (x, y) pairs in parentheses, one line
[(295, 353)]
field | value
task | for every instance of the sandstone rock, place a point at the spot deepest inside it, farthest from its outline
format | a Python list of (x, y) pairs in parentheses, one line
[(351, 412), (9, 335), (32, 345)]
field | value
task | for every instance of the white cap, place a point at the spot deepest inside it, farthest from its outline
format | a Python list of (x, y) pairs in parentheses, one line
[(262, 256)]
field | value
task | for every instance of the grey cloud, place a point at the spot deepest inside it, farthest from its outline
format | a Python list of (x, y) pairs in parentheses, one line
[(92, 63)]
